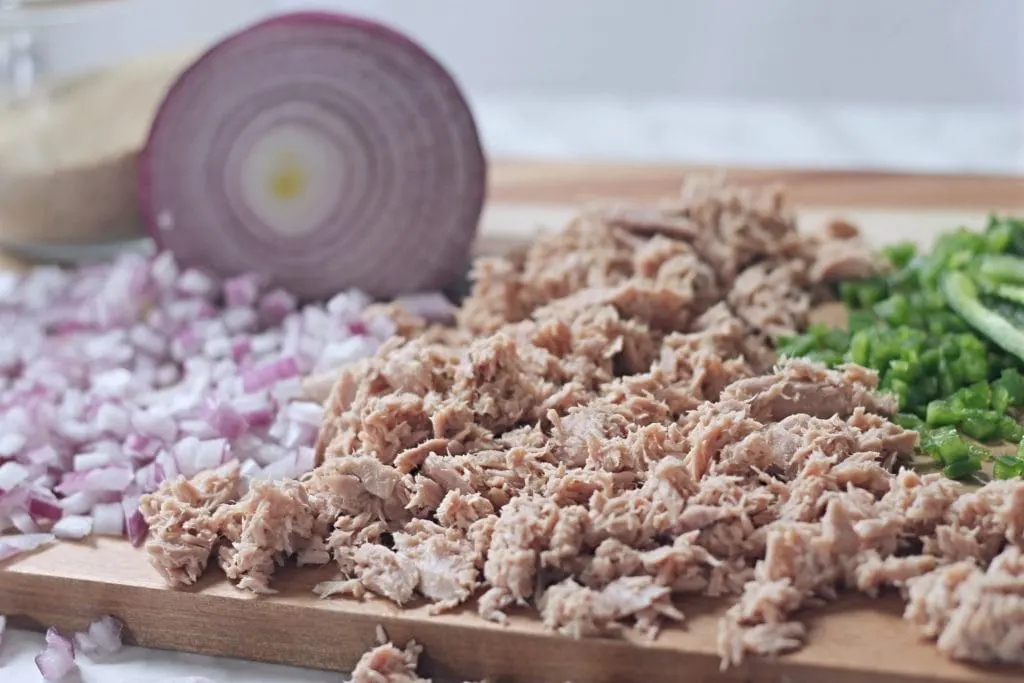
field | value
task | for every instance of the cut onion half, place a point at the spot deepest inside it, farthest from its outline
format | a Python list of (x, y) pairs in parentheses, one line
[(320, 152)]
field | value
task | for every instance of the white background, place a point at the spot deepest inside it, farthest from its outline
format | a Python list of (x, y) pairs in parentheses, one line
[(896, 52), (896, 84)]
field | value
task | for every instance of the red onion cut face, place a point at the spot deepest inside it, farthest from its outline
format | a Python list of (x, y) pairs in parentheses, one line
[(322, 152)]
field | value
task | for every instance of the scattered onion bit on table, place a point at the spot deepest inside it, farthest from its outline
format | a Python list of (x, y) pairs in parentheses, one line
[(58, 659), (117, 376), (101, 639)]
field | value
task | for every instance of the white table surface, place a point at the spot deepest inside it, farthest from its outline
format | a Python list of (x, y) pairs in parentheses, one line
[(824, 136)]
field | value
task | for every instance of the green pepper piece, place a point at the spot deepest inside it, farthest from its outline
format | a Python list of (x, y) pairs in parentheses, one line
[(962, 296), (1013, 382), (900, 254), (908, 421), (1009, 429), (895, 310), (942, 413), (1000, 397), (945, 445), (1007, 467), (1003, 268), (979, 425), (961, 468), (978, 395)]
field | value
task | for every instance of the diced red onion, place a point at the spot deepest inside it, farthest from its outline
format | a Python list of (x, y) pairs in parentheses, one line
[(73, 527), (95, 408), (58, 659), (102, 638)]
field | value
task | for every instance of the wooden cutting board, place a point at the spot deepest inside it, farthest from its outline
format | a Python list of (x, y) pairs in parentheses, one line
[(857, 640)]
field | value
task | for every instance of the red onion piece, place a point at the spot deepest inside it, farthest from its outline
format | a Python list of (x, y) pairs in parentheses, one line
[(136, 525), (16, 545), (24, 523), (431, 306), (12, 474), (78, 503), (73, 527), (339, 154), (108, 519), (101, 639), (271, 373), (58, 659)]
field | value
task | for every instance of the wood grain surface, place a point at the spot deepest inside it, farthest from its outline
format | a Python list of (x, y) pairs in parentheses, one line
[(543, 182), (854, 641)]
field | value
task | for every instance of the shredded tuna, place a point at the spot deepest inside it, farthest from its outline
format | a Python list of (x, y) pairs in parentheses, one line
[(183, 527), (607, 432)]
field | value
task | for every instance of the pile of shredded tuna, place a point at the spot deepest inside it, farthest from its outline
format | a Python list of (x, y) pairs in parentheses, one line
[(605, 431)]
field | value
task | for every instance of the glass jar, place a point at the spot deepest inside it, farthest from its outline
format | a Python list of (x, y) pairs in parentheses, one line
[(79, 84)]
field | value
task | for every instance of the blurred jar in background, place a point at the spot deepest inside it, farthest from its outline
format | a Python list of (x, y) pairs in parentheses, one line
[(79, 83)]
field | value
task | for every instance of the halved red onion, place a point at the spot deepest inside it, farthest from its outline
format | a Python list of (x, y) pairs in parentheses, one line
[(101, 639), (322, 152), (58, 659)]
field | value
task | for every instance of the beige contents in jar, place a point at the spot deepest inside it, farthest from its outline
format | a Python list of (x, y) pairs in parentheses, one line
[(68, 155)]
